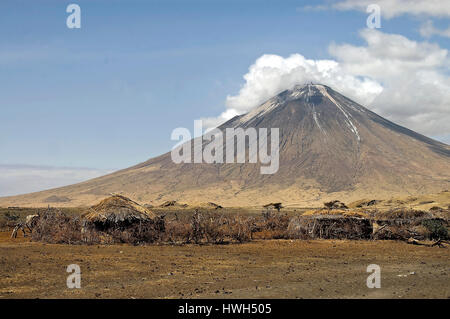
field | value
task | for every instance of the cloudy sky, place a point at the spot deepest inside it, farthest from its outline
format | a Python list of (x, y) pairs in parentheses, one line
[(108, 95)]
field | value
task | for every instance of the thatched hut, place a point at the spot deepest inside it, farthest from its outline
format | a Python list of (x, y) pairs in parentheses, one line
[(118, 211)]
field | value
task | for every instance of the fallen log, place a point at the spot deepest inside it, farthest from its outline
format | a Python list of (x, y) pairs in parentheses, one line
[(439, 243)]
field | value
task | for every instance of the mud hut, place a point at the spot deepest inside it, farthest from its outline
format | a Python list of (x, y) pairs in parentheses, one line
[(118, 212)]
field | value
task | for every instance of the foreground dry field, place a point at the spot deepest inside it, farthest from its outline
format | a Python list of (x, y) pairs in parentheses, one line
[(261, 269)]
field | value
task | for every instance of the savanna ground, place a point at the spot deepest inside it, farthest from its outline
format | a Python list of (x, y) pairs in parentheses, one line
[(259, 269)]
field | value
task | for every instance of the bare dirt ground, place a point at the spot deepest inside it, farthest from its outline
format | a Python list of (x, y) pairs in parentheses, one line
[(261, 269)]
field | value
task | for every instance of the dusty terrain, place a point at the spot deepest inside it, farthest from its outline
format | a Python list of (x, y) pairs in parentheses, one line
[(261, 269)]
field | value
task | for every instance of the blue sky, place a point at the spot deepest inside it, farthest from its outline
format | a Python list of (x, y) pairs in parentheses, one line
[(108, 95)]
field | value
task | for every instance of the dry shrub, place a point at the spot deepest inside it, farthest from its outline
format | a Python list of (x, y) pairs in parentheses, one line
[(217, 229), (240, 229), (178, 232), (436, 228), (329, 227), (209, 228), (11, 217), (403, 213), (55, 227), (8, 221), (420, 232), (392, 232), (198, 227), (274, 225), (275, 221), (214, 228)]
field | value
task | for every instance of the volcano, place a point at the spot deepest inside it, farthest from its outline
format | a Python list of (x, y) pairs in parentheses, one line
[(330, 147)]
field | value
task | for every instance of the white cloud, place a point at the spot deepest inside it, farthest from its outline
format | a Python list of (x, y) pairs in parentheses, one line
[(403, 80), (21, 179), (307, 8), (272, 74), (395, 8), (414, 76), (212, 122), (427, 30)]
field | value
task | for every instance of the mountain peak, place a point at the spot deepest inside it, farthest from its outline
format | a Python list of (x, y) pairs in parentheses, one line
[(329, 147), (317, 102), (311, 93), (299, 87), (308, 92)]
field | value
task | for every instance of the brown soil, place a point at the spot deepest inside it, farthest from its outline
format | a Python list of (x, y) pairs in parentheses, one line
[(261, 269)]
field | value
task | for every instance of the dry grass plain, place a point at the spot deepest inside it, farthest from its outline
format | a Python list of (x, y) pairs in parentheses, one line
[(260, 269)]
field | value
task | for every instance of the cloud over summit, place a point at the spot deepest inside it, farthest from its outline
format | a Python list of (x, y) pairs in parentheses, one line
[(401, 79)]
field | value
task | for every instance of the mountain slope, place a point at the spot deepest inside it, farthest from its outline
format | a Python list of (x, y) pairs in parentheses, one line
[(330, 147)]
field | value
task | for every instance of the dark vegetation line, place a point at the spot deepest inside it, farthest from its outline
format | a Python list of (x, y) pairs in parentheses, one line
[(66, 227)]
